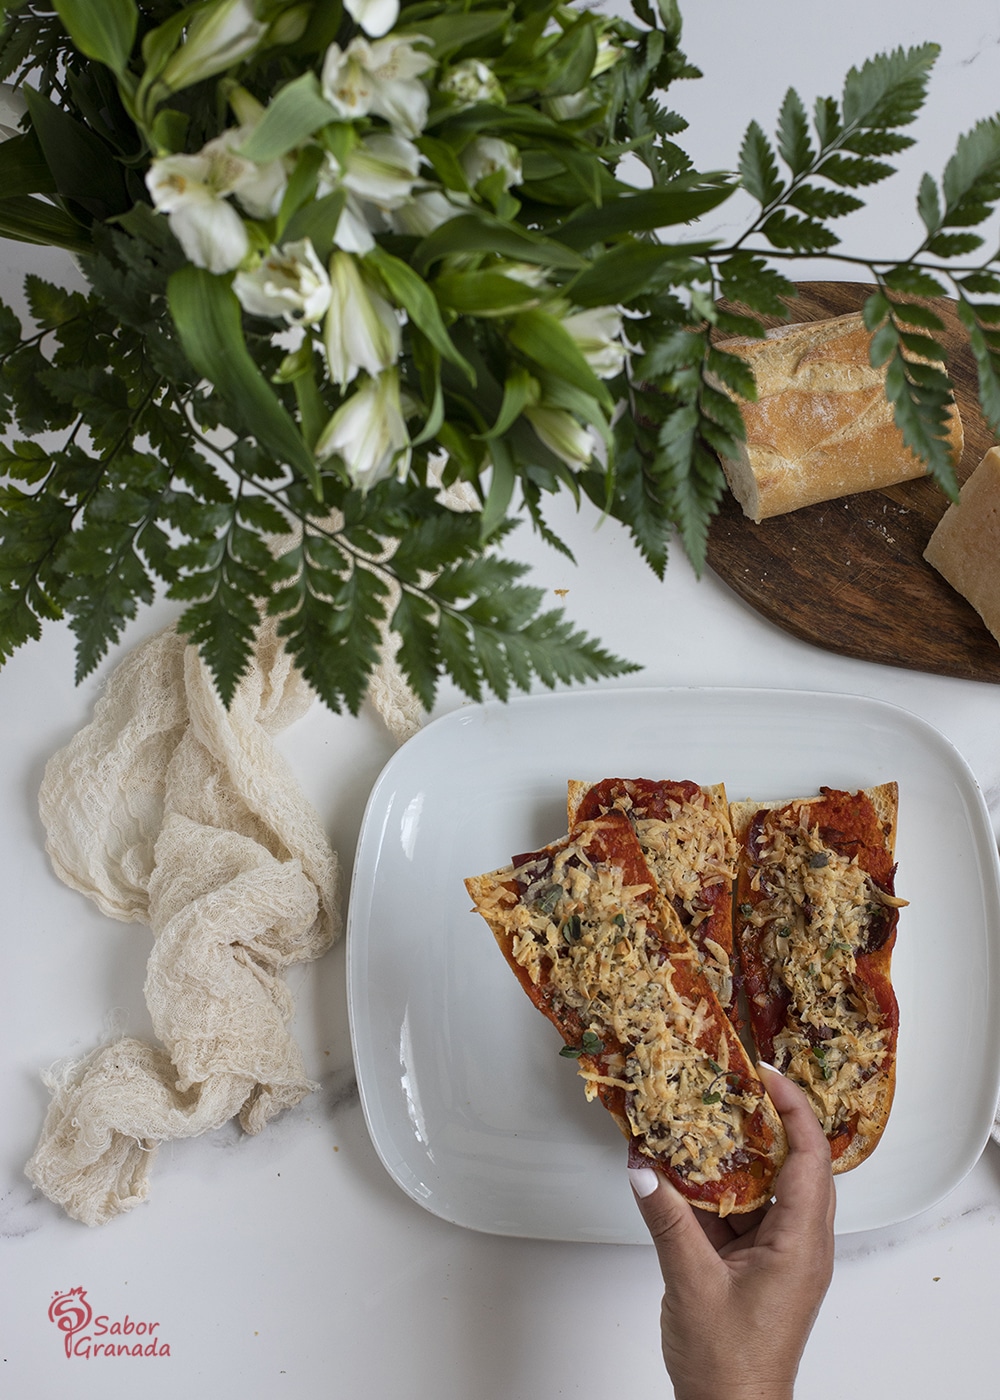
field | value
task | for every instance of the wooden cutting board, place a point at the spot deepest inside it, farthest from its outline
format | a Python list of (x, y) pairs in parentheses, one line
[(849, 575)]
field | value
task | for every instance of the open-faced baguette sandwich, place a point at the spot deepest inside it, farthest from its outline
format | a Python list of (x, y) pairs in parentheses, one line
[(816, 920), (603, 955), (685, 834)]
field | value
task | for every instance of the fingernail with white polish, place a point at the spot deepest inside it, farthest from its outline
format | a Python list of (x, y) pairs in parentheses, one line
[(644, 1180), (763, 1064)]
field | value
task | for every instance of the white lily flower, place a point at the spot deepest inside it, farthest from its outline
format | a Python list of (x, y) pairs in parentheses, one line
[(562, 434), (353, 233), (362, 330), (598, 334), (290, 282), (368, 433), (382, 79), (473, 81), (12, 109), (190, 190), (376, 17), (217, 38), (485, 155), (423, 214)]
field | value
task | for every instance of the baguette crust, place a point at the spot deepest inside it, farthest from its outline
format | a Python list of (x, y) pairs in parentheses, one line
[(821, 426), (603, 956), (798, 1031)]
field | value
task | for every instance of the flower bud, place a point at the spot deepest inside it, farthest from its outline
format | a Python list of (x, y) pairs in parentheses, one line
[(217, 38)]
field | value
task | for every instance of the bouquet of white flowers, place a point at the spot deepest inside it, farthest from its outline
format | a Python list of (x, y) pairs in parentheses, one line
[(345, 263)]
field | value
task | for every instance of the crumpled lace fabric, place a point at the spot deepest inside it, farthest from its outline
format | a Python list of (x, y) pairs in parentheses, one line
[(169, 810)]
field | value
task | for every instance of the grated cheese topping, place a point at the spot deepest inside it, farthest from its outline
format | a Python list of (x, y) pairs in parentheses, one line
[(813, 918), (688, 852), (593, 942)]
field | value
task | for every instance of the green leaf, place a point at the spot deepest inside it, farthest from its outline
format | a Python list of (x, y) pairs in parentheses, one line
[(889, 90), (544, 339), (418, 655), (101, 29), (31, 220), (627, 270), (794, 144), (971, 179), (23, 167), (747, 279), (853, 172), (802, 235), (317, 220), (640, 213), (929, 204), (913, 280), (410, 291), (479, 233), (83, 167), (822, 203), (758, 167), (482, 293), (208, 320), (448, 33), (953, 245), (291, 117)]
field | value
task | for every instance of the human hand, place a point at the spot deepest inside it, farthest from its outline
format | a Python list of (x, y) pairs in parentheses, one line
[(741, 1294)]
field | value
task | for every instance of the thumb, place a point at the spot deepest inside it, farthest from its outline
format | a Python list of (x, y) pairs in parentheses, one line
[(679, 1239)]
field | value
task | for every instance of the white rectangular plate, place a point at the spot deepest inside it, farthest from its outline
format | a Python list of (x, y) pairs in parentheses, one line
[(469, 1104)]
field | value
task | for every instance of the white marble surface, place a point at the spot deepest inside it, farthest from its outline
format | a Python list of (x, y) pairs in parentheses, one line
[(290, 1264)]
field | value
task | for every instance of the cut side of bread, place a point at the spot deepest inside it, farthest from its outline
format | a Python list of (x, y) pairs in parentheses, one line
[(815, 921)]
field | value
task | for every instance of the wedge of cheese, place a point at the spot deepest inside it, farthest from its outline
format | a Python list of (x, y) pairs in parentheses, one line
[(965, 546)]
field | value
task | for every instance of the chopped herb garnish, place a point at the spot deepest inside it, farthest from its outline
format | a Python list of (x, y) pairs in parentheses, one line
[(711, 1098), (619, 919), (746, 910), (590, 1044), (572, 928), (546, 899), (818, 859), (820, 1053), (717, 1068)]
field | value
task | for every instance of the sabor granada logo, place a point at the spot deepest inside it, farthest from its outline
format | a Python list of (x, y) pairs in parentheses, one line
[(88, 1336)]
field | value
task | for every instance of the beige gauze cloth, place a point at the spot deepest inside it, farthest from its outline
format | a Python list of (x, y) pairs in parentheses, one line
[(169, 810)]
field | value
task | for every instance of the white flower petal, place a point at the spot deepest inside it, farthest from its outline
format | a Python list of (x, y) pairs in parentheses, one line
[(290, 282), (376, 17), (211, 233), (362, 330), (368, 433)]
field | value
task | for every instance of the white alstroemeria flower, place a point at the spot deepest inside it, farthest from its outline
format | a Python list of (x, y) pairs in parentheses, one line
[(12, 109), (217, 38), (473, 81), (529, 273), (485, 155), (598, 333), (562, 434), (368, 433), (608, 54), (362, 330), (382, 168), (567, 108), (382, 79), (424, 213), (260, 188), (191, 191), (290, 282), (376, 17)]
